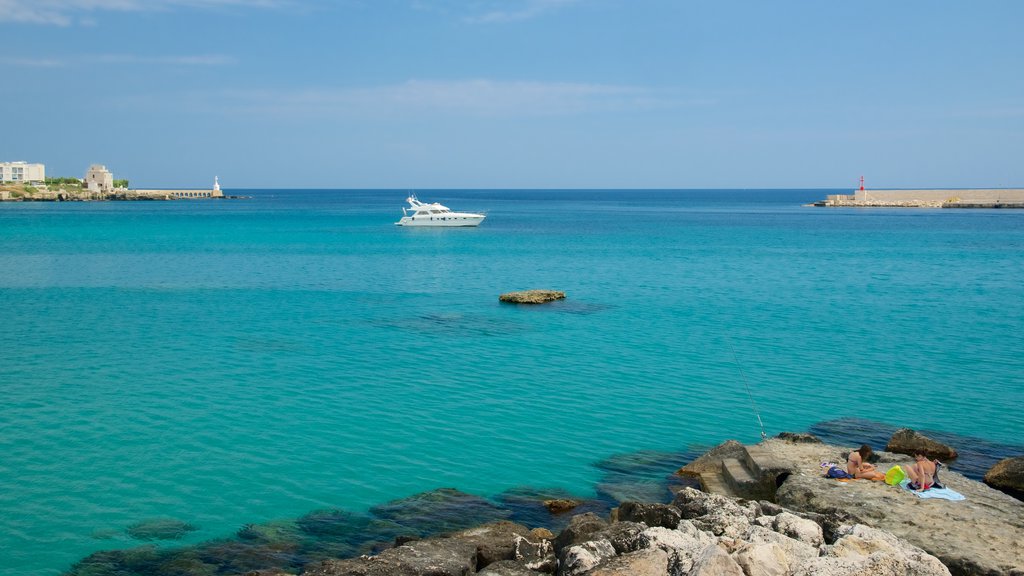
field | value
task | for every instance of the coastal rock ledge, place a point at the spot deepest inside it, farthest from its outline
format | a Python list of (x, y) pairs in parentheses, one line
[(982, 534), (698, 534), (532, 296)]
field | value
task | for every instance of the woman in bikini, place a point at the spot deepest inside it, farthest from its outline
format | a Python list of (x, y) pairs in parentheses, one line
[(921, 473), (858, 466)]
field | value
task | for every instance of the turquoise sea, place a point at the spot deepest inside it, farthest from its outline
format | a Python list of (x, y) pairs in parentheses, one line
[(234, 362)]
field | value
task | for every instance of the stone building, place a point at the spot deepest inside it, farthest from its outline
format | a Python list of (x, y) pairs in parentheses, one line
[(99, 179), (22, 173)]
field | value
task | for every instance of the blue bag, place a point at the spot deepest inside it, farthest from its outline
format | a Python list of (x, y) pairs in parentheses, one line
[(837, 472)]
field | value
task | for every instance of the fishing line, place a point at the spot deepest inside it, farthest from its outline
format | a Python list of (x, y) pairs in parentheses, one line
[(746, 385)]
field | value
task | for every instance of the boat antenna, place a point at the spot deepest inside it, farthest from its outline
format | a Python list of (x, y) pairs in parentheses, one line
[(746, 385)]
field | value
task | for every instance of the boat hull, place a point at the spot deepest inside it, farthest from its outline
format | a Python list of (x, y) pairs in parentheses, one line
[(450, 221)]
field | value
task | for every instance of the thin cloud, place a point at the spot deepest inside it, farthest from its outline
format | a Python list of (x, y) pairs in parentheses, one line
[(523, 10), (197, 60), (115, 59), (68, 12), (492, 11), (31, 62), (461, 97)]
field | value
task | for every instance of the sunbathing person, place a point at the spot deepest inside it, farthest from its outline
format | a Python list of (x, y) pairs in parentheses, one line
[(921, 472), (857, 464)]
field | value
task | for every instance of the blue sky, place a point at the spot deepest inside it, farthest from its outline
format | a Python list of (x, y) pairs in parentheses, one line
[(517, 93)]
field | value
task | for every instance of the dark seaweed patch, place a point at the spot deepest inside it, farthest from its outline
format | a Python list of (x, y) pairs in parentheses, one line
[(160, 529)]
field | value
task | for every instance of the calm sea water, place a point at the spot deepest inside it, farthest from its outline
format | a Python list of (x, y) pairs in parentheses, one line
[(239, 361)]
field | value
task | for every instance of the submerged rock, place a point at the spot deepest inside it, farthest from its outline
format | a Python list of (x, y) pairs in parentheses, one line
[(160, 529), (907, 441), (434, 557), (532, 296), (275, 532), (799, 438), (439, 511), (642, 476), (539, 507)]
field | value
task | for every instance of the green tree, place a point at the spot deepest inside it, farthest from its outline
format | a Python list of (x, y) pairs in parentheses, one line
[(121, 183)]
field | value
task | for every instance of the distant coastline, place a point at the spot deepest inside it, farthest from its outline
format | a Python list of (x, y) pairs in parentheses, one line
[(29, 193)]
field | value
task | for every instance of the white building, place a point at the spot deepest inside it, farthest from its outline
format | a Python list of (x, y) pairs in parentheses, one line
[(22, 172), (99, 179)]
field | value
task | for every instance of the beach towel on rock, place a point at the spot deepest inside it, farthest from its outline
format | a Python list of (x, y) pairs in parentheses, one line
[(943, 493)]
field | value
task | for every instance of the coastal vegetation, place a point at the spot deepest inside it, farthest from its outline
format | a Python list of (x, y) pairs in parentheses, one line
[(64, 181)]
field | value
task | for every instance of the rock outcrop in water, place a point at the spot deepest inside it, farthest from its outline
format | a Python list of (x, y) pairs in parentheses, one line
[(532, 296), (907, 441), (1007, 475)]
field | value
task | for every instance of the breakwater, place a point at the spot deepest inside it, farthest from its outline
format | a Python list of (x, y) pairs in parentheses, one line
[(928, 198), (43, 194)]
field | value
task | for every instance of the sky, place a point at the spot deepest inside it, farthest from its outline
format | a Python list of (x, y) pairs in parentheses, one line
[(420, 94)]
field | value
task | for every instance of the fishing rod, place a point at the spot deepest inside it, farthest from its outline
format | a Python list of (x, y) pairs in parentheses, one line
[(746, 385)]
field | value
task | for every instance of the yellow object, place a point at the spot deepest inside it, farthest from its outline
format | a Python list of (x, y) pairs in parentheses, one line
[(894, 476)]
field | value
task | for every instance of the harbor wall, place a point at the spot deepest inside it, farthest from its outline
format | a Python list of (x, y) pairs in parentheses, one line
[(929, 198), (974, 195), (180, 194)]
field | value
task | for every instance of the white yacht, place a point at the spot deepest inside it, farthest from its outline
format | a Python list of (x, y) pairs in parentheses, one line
[(421, 214)]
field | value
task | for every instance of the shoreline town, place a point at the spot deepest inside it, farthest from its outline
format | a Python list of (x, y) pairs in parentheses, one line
[(764, 509), (25, 182)]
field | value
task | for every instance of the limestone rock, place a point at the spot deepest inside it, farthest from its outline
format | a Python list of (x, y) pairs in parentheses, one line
[(717, 514), (579, 530), (876, 552), (532, 296), (711, 461), (715, 561), (560, 505), (907, 441), (542, 533), (652, 562), (625, 536), (799, 529), (580, 558), (983, 534), (794, 550), (1007, 474), (508, 568), (663, 515), (502, 540), (763, 560)]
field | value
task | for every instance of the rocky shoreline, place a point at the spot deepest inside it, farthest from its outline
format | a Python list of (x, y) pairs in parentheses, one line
[(811, 526), (799, 524)]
